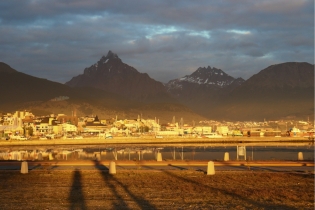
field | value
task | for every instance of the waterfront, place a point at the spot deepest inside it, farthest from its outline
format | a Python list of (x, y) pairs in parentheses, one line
[(153, 140), (189, 152), (77, 176)]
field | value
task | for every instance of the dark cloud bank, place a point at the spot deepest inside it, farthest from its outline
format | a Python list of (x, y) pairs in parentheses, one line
[(166, 39)]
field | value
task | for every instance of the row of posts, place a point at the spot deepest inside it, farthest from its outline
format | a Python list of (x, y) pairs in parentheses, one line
[(112, 164), (112, 167), (226, 156), (210, 168)]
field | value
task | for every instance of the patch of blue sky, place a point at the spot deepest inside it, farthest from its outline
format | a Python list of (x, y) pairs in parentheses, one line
[(236, 31), (160, 30), (204, 34), (95, 17), (267, 56), (69, 22), (88, 18)]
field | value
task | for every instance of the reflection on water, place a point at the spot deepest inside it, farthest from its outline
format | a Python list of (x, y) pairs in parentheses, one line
[(140, 152)]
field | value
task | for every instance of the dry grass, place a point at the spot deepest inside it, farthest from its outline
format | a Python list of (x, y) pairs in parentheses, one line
[(132, 189)]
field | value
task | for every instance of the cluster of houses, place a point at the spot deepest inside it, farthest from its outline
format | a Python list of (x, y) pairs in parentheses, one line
[(24, 123)]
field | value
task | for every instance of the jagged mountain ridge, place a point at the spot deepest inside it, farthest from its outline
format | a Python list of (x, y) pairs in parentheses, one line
[(20, 91), (281, 90), (204, 81), (112, 75), (203, 87), (204, 76)]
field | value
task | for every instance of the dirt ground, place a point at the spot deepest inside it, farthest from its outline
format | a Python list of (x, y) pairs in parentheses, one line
[(136, 189)]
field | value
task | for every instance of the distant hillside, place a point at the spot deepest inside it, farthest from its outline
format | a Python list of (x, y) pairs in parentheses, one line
[(18, 87), (112, 75), (6, 68), (279, 91), (285, 75)]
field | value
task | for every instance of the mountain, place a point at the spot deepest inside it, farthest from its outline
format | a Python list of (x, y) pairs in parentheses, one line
[(5, 68), (114, 76), (20, 91), (285, 75), (203, 88), (205, 76), (16, 87), (278, 91), (111, 88)]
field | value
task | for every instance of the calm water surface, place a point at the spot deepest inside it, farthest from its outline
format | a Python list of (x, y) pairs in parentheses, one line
[(149, 152)]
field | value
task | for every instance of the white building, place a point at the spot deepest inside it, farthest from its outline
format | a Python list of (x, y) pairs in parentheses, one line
[(43, 128), (202, 129), (223, 130), (68, 128)]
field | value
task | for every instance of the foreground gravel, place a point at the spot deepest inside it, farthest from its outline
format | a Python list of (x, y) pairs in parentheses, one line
[(165, 189)]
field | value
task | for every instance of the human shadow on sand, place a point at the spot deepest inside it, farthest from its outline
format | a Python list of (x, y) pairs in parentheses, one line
[(76, 197), (114, 184)]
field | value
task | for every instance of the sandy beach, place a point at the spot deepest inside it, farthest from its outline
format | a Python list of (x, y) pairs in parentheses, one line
[(165, 189)]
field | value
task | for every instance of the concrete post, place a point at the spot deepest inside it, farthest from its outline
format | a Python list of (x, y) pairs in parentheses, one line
[(226, 156), (40, 156), (24, 167), (300, 156), (112, 167), (159, 156), (51, 157), (210, 169)]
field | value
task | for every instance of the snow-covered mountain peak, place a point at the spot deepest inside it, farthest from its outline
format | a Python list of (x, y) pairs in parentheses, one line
[(205, 77), (210, 76)]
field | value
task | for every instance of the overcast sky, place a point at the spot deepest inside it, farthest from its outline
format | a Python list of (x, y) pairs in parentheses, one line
[(168, 39)]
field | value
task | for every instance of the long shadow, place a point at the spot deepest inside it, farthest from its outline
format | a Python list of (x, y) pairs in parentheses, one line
[(248, 166), (292, 172), (233, 195), (178, 167), (239, 168), (76, 197), (109, 179), (43, 166), (260, 168)]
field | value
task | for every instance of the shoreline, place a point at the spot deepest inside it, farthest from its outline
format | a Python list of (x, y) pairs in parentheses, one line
[(152, 140), (187, 163)]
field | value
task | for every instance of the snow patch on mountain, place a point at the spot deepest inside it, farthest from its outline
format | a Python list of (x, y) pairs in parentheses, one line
[(211, 76), (204, 76)]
